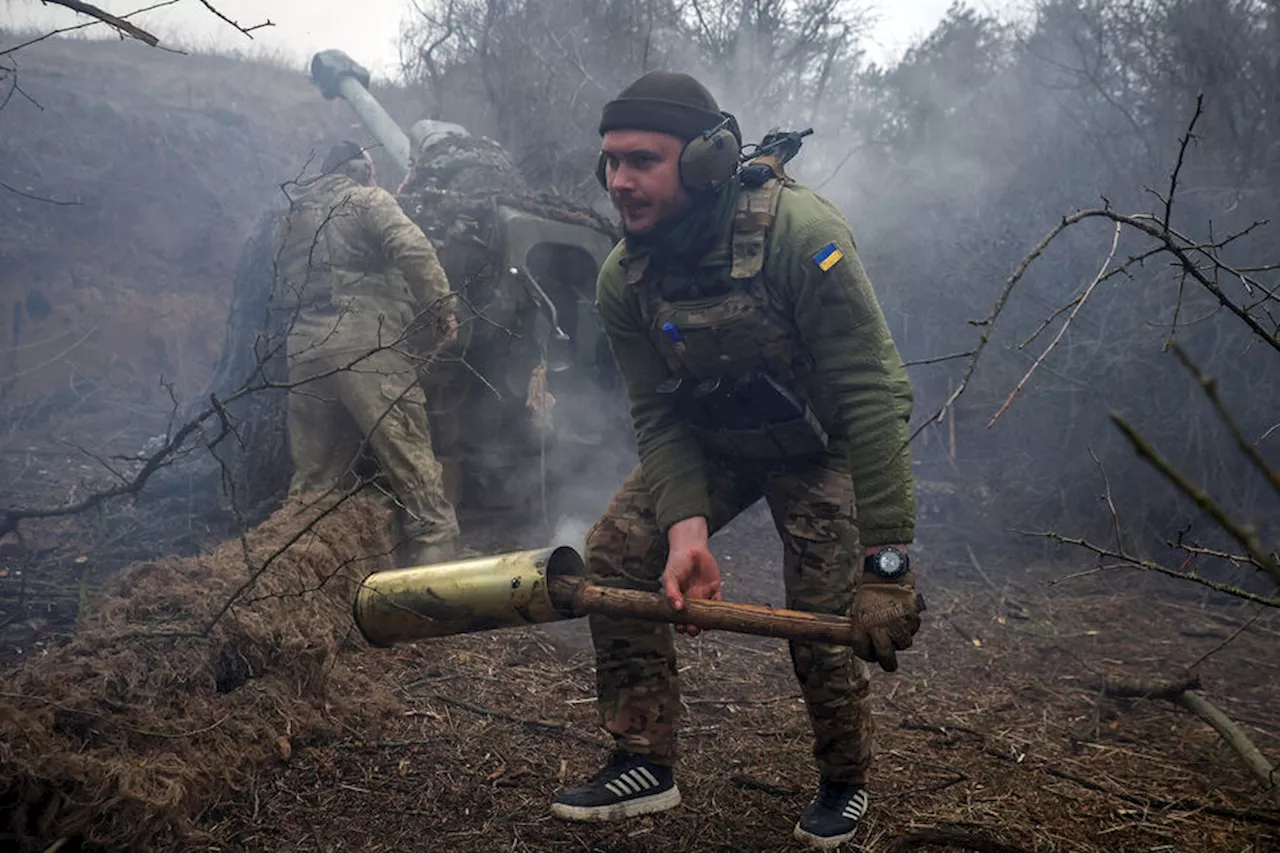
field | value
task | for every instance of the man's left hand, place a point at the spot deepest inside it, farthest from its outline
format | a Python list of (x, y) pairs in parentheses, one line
[(887, 615)]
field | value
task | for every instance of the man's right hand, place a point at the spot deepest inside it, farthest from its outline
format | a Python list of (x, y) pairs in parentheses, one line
[(691, 571)]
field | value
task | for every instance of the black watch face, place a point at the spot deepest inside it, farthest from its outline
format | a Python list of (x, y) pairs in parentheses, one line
[(889, 563)]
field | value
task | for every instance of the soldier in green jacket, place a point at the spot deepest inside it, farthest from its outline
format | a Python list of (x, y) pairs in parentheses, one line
[(357, 279), (758, 364)]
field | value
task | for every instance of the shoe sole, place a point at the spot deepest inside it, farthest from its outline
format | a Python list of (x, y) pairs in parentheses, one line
[(659, 802), (820, 842)]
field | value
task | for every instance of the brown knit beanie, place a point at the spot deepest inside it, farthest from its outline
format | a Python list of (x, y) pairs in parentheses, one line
[(663, 101)]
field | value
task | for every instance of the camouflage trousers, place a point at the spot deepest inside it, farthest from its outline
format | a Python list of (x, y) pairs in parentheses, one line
[(638, 688), (367, 421)]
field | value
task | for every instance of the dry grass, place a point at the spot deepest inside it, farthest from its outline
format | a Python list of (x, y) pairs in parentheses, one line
[(155, 712)]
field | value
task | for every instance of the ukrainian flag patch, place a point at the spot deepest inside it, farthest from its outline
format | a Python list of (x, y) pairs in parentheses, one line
[(828, 257)]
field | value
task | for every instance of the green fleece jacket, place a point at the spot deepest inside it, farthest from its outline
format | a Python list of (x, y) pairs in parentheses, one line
[(859, 387)]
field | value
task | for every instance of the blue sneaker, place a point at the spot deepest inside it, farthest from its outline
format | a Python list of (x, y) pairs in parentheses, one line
[(628, 785), (832, 818)]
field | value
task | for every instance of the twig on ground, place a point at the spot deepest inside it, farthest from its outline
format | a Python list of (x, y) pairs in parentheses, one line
[(751, 783), (959, 838), (1146, 801), (564, 727)]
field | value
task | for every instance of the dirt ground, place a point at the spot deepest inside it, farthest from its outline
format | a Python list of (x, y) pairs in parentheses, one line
[(993, 734)]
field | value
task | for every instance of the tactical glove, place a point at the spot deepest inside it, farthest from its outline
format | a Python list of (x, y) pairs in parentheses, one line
[(887, 616)]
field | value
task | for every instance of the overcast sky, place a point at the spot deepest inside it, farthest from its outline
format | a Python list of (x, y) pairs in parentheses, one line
[(369, 29)]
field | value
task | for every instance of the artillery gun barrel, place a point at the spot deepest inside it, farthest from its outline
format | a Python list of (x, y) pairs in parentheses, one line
[(340, 76)]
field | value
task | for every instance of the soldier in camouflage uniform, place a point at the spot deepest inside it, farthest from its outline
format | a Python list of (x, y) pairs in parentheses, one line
[(758, 364), (361, 283)]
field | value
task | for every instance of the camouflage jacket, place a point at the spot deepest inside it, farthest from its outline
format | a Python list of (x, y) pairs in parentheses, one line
[(353, 271), (858, 384)]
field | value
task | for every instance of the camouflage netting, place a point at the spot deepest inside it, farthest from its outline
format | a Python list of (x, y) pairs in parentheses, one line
[(462, 163), (457, 179), (435, 209), (122, 741), (257, 461)]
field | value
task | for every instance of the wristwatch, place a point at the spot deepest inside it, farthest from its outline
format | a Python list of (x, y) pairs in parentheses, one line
[(888, 563)]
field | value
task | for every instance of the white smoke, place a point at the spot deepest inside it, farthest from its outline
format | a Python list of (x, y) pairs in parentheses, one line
[(572, 532)]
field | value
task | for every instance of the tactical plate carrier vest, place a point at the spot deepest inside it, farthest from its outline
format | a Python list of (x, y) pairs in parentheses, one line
[(736, 358)]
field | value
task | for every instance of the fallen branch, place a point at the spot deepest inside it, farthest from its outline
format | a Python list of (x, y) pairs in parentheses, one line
[(1181, 693), (1235, 737), (1170, 690)]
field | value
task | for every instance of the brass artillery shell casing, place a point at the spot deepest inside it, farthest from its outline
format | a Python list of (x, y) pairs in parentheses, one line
[(462, 596), (547, 585)]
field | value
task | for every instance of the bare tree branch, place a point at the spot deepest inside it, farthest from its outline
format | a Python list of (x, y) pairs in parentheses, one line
[(1182, 153), (38, 198), (1210, 387), (120, 24), (1138, 563), (1062, 330), (1245, 535), (248, 31)]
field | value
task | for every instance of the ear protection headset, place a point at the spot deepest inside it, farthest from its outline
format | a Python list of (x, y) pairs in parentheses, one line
[(706, 162)]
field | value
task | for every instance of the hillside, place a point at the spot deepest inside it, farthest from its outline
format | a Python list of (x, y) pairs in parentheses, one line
[(170, 159)]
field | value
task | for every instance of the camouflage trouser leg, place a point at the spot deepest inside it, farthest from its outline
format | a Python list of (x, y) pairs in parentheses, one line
[(813, 509), (377, 401), (637, 686)]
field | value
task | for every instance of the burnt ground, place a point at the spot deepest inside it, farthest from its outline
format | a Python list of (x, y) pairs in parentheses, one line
[(993, 731)]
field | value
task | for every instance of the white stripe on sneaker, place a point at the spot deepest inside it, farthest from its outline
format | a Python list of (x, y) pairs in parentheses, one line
[(638, 777), (856, 807), (617, 788), (648, 777)]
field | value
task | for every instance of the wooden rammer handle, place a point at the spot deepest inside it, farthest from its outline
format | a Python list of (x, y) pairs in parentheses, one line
[(584, 598)]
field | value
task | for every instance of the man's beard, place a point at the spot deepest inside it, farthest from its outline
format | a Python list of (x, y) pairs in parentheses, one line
[(683, 236)]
